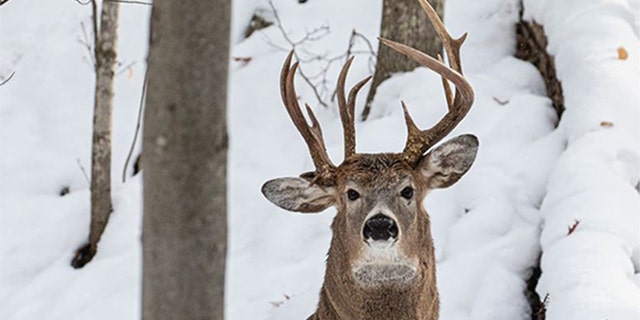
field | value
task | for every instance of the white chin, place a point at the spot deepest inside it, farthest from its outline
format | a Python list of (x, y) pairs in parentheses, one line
[(384, 275)]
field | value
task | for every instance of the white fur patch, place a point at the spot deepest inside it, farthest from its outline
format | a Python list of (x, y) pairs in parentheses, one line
[(382, 264)]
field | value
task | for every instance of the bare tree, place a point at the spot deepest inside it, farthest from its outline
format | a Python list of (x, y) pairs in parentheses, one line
[(402, 21), (184, 161), (105, 49)]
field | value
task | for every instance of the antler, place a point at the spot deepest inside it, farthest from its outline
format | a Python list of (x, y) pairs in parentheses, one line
[(419, 141), (312, 135), (347, 108)]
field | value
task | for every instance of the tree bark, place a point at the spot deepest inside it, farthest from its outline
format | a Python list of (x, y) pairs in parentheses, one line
[(106, 40), (403, 21), (531, 46), (184, 161)]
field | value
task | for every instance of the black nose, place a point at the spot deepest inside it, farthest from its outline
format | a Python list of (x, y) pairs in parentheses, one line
[(380, 227)]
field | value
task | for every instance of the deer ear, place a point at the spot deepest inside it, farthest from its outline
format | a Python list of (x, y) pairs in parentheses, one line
[(446, 164), (297, 194)]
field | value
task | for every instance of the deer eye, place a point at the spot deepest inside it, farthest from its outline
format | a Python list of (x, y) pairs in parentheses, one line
[(407, 192), (352, 195)]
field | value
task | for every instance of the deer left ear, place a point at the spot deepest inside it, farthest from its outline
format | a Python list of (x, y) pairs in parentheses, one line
[(446, 164), (298, 194)]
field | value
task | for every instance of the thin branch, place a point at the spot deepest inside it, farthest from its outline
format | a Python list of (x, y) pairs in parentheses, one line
[(122, 67), (313, 35), (10, 76), (373, 55), (317, 82), (294, 44), (279, 23), (3, 2), (94, 8), (85, 43), (573, 227), (135, 135), (84, 172)]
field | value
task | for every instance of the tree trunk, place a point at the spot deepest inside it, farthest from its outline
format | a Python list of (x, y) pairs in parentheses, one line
[(403, 21), (184, 161), (106, 40)]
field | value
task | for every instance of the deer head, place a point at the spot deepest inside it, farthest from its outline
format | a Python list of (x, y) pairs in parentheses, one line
[(381, 261)]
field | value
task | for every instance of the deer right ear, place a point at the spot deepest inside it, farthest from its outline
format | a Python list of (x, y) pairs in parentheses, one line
[(447, 163), (297, 194)]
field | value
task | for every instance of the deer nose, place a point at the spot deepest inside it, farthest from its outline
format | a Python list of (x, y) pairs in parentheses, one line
[(380, 227)]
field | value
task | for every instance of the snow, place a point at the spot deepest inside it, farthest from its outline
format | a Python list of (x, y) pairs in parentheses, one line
[(530, 183), (595, 181)]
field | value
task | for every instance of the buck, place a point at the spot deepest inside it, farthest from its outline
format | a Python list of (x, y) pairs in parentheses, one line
[(381, 262)]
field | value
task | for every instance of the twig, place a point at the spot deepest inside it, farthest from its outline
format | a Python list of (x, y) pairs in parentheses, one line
[(124, 67), (372, 56), (8, 78), (294, 44), (573, 227), (541, 313), (500, 102), (135, 135), (313, 35), (94, 8), (85, 43), (318, 81), (3, 2), (271, 43), (84, 172)]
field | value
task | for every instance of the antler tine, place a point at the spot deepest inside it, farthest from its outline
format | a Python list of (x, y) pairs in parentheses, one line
[(312, 135), (347, 108), (354, 92), (448, 95), (419, 141), (346, 115), (451, 45)]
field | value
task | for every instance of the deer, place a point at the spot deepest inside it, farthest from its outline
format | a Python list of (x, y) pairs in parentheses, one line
[(381, 261)]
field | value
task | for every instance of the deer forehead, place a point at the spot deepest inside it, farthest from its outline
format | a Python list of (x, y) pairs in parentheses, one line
[(374, 171)]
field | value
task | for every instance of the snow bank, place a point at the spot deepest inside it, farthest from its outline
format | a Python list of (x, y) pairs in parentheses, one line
[(593, 272)]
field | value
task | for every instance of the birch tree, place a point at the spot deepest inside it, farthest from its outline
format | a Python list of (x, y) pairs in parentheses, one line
[(105, 52), (184, 161)]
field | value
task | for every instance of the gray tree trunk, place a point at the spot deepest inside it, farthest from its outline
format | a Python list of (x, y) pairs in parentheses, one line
[(184, 161), (106, 39), (403, 21)]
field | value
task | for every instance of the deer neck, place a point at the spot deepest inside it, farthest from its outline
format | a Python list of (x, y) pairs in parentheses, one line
[(341, 298)]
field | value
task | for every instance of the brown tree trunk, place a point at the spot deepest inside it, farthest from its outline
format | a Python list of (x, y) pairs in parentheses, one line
[(184, 161), (403, 21), (106, 40)]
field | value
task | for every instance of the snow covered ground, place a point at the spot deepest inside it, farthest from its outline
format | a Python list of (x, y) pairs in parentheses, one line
[(530, 183)]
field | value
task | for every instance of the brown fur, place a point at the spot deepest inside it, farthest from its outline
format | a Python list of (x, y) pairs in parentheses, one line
[(341, 297)]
